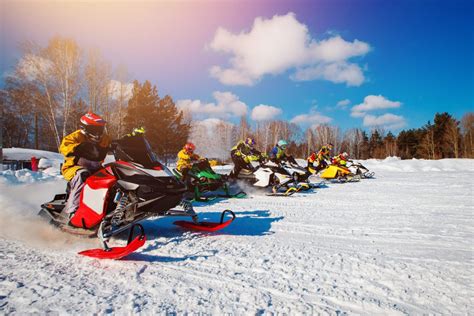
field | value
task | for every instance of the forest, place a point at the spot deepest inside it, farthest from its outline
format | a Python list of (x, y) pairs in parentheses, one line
[(51, 87)]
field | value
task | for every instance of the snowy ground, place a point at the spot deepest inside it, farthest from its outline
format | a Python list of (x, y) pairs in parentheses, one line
[(398, 244)]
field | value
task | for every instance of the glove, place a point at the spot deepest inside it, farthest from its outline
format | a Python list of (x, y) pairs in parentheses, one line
[(90, 151)]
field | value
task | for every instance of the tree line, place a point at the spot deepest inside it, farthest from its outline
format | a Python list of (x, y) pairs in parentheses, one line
[(51, 87)]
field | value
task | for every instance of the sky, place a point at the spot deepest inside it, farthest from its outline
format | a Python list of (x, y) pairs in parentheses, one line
[(366, 63)]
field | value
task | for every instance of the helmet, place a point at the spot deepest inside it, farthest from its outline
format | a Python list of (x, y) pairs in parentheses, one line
[(138, 131), (282, 144), (329, 146), (189, 147), (93, 126), (344, 155), (249, 141)]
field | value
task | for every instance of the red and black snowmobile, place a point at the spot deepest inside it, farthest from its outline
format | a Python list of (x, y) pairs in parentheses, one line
[(114, 199)]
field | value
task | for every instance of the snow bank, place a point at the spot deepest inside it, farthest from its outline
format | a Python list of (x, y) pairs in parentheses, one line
[(26, 154), (25, 176), (396, 164)]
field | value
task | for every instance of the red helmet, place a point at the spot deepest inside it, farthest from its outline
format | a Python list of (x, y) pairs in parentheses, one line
[(189, 147), (344, 155), (93, 126)]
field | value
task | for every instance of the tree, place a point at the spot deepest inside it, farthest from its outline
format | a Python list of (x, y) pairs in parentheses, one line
[(445, 132), (376, 144), (453, 136), (164, 124), (427, 144), (65, 57), (97, 77), (408, 142), (467, 132), (54, 77), (390, 145)]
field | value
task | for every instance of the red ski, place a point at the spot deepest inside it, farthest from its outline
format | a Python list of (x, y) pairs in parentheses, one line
[(208, 226), (118, 252)]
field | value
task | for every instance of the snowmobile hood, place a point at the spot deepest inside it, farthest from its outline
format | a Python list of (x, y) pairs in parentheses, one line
[(208, 174)]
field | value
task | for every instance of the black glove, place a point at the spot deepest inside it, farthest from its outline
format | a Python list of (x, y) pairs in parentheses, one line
[(90, 151)]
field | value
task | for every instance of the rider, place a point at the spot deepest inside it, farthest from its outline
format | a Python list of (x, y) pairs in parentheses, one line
[(186, 158), (322, 158), (341, 159), (83, 150), (278, 154), (243, 154)]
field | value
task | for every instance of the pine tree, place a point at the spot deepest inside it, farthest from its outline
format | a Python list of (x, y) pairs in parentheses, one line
[(165, 128)]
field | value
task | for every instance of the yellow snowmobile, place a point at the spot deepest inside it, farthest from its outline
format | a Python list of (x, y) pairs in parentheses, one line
[(341, 174)]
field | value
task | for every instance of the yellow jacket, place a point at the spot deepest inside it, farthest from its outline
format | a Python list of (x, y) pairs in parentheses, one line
[(69, 143), (186, 160)]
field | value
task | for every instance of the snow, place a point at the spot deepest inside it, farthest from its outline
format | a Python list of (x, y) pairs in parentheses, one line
[(26, 154), (401, 243), (49, 165)]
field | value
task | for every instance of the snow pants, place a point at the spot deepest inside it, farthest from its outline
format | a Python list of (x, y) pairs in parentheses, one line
[(75, 188), (239, 164)]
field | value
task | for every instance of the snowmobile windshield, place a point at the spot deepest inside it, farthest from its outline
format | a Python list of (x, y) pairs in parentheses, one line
[(136, 149)]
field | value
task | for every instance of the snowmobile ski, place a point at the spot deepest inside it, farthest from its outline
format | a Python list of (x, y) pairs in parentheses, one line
[(238, 195), (208, 226), (289, 192), (116, 253)]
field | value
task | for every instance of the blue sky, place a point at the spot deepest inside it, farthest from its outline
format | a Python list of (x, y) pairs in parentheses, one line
[(415, 57)]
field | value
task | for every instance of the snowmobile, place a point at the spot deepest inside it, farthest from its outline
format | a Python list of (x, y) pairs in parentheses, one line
[(303, 178), (121, 194), (269, 175), (204, 179), (339, 174), (359, 169)]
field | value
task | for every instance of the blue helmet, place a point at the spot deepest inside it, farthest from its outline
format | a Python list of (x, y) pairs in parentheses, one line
[(282, 143)]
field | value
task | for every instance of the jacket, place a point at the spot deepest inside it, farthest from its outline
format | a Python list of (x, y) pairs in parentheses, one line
[(322, 154), (67, 148), (248, 154), (185, 160)]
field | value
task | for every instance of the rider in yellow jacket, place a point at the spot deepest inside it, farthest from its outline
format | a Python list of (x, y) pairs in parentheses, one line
[(243, 154), (83, 150), (67, 148), (186, 158)]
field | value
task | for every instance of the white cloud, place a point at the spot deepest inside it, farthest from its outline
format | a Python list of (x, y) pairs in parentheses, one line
[(116, 88), (311, 119), (388, 121), (343, 104), (373, 102), (264, 112), (338, 72), (282, 43), (227, 105)]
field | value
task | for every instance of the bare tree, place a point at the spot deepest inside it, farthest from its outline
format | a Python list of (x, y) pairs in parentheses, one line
[(453, 136), (354, 138), (467, 130), (328, 134), (97, 75), (125, 92), (34, 68), (428, 143), (65, 57)]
